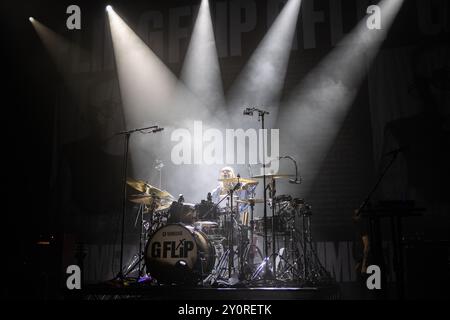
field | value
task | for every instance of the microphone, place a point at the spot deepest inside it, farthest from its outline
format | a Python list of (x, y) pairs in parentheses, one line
[(249, 111), (157, 130), (298, 179)]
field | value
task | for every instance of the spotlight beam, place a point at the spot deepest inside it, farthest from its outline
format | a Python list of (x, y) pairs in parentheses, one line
[(201, 71), (262, 80), (314, 112), (146, 84), (60, 49), (148, 88), (151, 94)]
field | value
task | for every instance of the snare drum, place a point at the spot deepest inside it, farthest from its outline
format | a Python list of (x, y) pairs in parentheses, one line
[(178, 253)]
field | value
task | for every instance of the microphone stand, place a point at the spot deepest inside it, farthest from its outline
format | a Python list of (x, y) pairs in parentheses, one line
[(127, 135), (297, 180), (380, 178), (261, 115)]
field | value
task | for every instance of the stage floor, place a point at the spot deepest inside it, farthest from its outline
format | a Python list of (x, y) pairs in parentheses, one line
[(138, 292)]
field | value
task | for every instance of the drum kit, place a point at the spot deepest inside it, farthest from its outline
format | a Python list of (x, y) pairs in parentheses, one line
[(212, 245), (218, 243)]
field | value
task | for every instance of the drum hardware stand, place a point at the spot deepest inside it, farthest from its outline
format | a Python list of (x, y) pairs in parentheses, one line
[(127, 134), (243, 246), (265, 265), (246, 251), (261, 115), (247, 258), (252, 245), (272, 189), (306, 239), (231, 231), (313, 270), (140, 213), (274, 203), (141, 254)]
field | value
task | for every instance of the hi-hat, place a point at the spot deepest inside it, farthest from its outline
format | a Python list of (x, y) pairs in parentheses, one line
[(157, 203), (143, 199), (164, 204)]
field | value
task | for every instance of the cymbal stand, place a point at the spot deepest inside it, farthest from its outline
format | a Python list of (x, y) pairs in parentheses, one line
[(274, 232), (290, 257), (313, 270), (288, 266), (141, 213), (251, 249), (231, 229), (143, 231), (252, 231)]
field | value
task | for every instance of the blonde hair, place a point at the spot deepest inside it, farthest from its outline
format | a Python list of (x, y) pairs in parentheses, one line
[(226, 185), (233, 175)]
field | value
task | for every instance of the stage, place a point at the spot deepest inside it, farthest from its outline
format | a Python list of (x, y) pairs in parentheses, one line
[(107, 291)]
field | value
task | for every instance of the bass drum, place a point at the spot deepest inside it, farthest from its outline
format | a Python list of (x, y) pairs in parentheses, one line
[(178, 253)]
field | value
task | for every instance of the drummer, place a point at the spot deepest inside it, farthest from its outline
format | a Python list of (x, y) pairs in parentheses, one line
[(224, 187)]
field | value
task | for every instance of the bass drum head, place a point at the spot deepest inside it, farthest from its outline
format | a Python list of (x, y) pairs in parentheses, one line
[(178, 254)]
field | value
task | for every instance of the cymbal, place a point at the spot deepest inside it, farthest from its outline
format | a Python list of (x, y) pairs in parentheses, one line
[(164, 204), (274, 176), (142, 199), (241, 180), (250, 200), (138, 185), (144, 187), (148, 200), (225, 192), (163, 194)]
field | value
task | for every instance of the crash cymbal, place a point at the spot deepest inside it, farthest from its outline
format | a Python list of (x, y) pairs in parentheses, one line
[(251, 200), (138, 185), (274, 176), (145, 188)]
